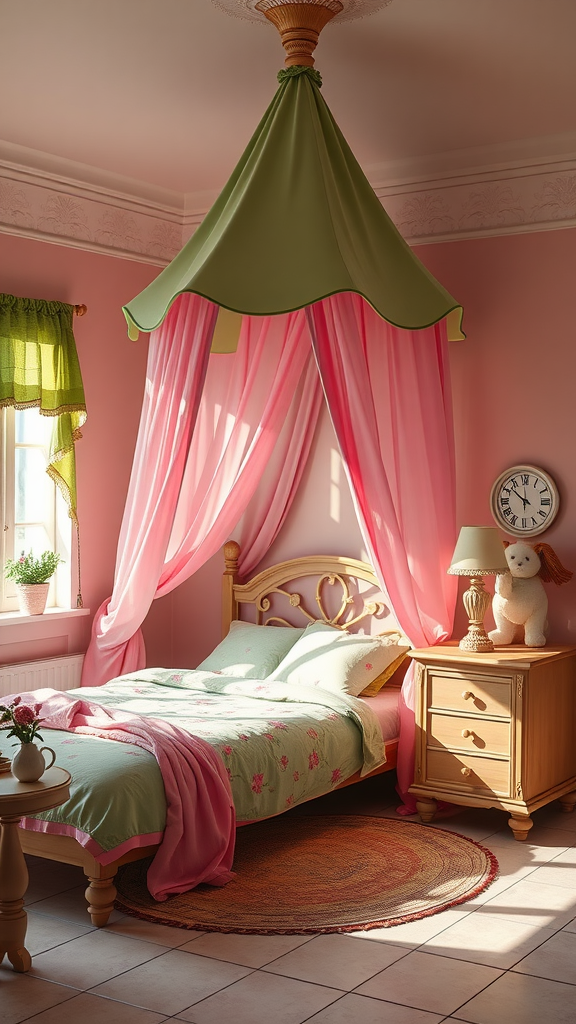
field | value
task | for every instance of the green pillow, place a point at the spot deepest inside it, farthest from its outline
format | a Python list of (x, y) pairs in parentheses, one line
[(251, 652), (339, 661)]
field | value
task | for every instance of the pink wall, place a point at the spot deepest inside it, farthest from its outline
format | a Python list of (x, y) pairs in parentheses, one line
[(513, 379), (113, 369)]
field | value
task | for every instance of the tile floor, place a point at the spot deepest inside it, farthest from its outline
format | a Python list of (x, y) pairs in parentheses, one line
[(507, 957)]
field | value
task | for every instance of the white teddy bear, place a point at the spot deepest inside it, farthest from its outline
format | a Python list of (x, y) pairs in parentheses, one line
[(520, 598)]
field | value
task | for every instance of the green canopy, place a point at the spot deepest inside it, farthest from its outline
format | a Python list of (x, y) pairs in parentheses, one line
[(298, 221)]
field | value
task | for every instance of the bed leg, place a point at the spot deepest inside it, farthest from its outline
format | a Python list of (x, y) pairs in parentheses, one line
[(100, 896)]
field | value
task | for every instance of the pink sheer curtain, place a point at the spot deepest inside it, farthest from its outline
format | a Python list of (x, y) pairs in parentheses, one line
[(174, 383), (388, 392), (212, 471), (271, 381)]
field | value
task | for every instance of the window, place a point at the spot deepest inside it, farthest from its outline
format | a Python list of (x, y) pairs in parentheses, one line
[(34, 514)]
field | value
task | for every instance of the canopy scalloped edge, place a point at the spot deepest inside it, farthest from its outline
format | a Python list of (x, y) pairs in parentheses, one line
[(298, 221), (453, 316)]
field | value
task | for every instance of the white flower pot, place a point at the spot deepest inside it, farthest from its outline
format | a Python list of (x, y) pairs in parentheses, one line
[(29, 764), (32, 597)]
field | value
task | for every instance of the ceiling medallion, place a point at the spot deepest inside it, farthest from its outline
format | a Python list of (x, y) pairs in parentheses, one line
[(342, 10)]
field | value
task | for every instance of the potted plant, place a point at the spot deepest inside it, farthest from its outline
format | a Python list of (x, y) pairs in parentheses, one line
[(32, 578)]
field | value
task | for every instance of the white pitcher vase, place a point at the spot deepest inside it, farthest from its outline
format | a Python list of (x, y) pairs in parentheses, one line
[(29, 764)]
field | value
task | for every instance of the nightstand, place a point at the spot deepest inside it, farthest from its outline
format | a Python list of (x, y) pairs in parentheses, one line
[(495, 730)]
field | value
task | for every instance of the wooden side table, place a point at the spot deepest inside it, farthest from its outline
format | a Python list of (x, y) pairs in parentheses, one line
[(18, 799), (495, 730)]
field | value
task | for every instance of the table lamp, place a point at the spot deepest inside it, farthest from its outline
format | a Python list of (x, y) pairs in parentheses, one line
[(479, 552)]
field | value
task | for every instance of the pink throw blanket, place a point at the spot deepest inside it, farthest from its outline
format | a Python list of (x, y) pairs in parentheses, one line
[(198, 843)]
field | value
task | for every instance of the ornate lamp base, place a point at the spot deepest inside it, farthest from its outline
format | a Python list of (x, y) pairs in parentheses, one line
[(476, 601)]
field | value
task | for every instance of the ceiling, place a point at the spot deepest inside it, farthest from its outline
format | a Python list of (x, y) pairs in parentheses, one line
[(169, 91)]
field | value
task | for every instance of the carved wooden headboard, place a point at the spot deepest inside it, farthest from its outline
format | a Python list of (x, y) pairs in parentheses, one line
[(271, 595)]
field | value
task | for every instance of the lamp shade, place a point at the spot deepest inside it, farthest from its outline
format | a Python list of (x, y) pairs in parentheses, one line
[(478, 552)]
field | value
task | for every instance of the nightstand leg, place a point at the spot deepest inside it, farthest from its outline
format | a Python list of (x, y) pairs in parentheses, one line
[(520, 825), (426, 807), (13, 885), (568, 801)]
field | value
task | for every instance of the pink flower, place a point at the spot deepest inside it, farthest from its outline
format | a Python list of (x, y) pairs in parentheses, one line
[(336, 775), (37, 709), (367, 666), (312, 733), (24, 716), (278, 725), (313, 760), (243, 736), (268, 735), (229, 773), (227, 750), (16, 701), (257, 781), (290, 800), (296, 776), (283, 762)]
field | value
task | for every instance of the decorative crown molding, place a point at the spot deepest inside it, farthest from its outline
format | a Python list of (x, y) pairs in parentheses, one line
[(523, 187)]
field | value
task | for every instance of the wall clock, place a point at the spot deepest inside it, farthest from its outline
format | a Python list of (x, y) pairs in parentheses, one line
[(524, 500)]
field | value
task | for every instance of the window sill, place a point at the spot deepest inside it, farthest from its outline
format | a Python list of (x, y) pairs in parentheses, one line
[(18, 619)]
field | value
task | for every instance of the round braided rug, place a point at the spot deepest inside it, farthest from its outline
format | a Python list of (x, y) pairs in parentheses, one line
[(332, 873)]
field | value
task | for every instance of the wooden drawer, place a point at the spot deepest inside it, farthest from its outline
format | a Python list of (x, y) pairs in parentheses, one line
[(484, 736), (469, 693), (478, 773)]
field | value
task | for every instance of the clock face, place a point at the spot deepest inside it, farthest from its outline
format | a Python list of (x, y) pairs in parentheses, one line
[(524, 501)]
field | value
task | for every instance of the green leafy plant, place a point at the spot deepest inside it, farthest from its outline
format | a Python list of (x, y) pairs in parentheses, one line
[(24, 721), (29, 570)]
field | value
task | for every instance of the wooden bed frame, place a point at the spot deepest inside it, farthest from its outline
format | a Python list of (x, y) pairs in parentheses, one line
[(263, 593)]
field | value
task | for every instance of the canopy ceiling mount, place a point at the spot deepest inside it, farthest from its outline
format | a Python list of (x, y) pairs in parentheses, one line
[(299, 26), (351, 10)]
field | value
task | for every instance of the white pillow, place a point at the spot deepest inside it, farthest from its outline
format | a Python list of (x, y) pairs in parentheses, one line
[(339, 661), (249, 651)]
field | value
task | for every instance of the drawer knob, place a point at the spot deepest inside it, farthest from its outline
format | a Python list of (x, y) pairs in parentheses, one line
[(466, 733), (466, 771), (467, 694)]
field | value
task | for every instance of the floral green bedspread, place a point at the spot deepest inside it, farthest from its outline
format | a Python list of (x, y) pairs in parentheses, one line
[(281, 745)]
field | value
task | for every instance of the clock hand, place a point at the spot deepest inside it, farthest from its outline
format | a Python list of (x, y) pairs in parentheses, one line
[(524, 501)]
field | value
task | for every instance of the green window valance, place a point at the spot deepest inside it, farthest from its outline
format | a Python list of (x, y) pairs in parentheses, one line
[(39, 368)]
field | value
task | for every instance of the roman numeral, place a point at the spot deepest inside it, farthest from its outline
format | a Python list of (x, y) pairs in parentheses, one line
[(534, 521), (544, 501), (525, 479), (541, 513), (514, 482), (543, 491), (504, 501), (508, 511), (513, 520), (524, 524)]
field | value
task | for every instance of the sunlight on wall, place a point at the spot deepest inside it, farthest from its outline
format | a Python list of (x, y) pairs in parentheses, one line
[(335, 473)]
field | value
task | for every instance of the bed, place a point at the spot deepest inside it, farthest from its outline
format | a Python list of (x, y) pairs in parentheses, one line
[(282, 742)]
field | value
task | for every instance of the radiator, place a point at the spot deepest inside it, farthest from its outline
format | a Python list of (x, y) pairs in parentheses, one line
[(56, 673)]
